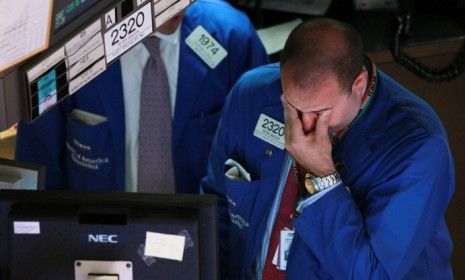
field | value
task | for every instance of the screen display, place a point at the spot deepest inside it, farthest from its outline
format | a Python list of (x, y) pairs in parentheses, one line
[(66, 11)]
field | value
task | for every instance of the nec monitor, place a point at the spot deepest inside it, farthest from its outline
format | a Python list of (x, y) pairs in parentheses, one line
[(69, 235)]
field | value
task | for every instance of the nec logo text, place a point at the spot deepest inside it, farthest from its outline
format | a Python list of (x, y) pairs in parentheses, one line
[(102, 238)]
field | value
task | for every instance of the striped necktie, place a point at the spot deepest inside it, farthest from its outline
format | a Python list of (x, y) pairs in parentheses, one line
[(286, 214)]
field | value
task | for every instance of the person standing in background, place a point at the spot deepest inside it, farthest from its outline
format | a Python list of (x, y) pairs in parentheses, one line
[(90, 141)]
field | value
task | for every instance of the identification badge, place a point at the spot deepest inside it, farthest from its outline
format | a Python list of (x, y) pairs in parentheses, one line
[(285, 242), (206, 47), (128, 32), (270, 130)]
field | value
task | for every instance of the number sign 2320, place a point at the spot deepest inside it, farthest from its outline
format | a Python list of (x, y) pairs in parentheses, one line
[(128, 32)]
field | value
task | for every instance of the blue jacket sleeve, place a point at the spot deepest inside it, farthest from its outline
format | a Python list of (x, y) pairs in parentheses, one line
[(383, 236)]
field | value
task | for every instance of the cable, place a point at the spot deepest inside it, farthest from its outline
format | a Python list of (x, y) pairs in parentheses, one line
[(432, 75)]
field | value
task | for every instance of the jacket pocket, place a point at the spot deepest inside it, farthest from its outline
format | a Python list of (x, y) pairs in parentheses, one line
[(241, 197), (89, 156), (241, 200)]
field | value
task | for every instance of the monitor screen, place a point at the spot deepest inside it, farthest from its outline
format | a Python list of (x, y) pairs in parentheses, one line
[(65, 11), (70, 16), (124, 236)]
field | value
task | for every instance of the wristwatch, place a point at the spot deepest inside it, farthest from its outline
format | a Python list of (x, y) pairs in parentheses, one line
[(315, 184)]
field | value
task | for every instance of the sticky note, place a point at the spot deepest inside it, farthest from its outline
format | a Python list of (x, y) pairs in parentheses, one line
[(165, 246)]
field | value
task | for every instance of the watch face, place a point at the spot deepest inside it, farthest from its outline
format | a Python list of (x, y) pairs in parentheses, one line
[(309, 185)]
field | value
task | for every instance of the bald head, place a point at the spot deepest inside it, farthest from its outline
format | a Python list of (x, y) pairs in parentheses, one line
[(322, 47)]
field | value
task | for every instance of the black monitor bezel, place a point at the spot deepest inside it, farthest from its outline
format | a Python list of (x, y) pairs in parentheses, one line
[(205, 204)]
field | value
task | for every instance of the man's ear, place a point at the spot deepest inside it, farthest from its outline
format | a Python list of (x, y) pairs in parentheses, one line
[(360, 83)]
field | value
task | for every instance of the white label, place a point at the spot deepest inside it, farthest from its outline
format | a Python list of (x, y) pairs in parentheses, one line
[(85, 49), (140, 2), (166, 246), (26, 227), (86, 61), (160, 6), (170, 12), (46, 64), (284, 246), (87, 76), (129, 32), (205, 46), (82, 38), (110, 18), (270, 130)]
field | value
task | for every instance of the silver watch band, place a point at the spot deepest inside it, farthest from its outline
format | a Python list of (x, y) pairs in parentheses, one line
[(315, 184)]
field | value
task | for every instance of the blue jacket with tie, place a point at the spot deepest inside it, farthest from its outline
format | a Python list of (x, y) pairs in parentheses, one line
[(85, 157), (386, 221)]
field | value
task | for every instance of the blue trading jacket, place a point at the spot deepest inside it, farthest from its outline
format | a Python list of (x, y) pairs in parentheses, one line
[(387, 219), (93, 157)]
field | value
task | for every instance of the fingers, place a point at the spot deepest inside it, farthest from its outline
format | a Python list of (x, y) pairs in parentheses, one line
[(321, 129), (290, 113), (293, 125)]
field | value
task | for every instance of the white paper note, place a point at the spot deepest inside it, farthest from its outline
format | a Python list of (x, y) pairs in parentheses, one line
[(26, 227), (166, 246), (24, 29)]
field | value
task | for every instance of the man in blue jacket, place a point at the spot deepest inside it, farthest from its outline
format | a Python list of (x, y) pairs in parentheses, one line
[(326, 168), (90, 141)]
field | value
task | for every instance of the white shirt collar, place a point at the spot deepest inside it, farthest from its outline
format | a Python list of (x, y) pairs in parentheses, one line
[(172, 38)]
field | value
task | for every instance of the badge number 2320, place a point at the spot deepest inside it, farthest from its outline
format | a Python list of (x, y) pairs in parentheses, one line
[(128, 32), (270, 130), (272, 126)]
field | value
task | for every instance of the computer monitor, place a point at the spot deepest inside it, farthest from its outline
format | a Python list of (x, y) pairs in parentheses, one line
[(71, 235)]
